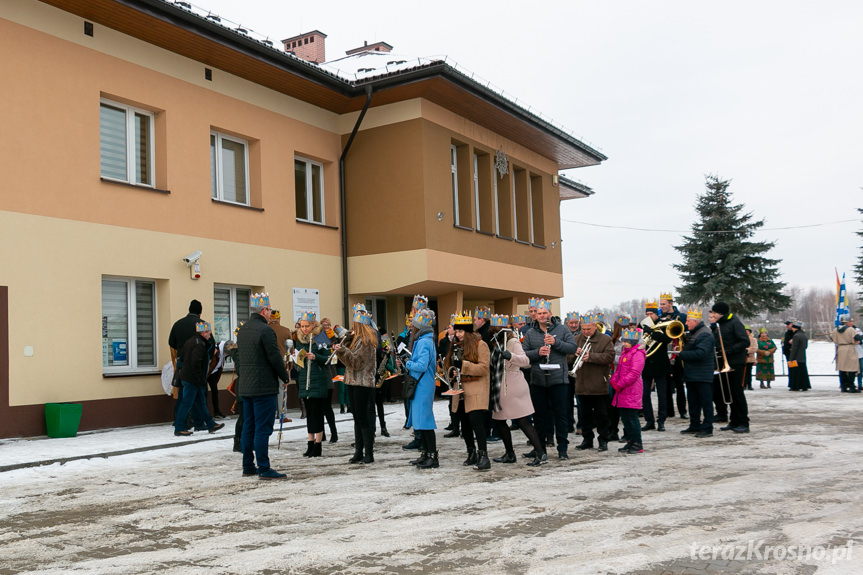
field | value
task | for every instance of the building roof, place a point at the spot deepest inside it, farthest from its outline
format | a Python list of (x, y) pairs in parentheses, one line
[(298, 36), (209, 39), (571, 189)]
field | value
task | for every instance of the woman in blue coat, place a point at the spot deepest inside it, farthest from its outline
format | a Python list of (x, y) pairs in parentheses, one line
[(422, 367)]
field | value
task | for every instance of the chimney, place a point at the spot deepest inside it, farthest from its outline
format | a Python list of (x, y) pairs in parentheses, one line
[(308, 46), (380, 47)]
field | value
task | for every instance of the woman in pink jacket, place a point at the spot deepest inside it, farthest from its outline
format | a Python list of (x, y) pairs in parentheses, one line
[(627, 385)]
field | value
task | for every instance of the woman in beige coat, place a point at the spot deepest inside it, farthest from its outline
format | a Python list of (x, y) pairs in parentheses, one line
[(846, 353), (470, 356)]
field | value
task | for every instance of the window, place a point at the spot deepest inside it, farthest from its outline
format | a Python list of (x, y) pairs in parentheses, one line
[(482, 192), (128, 325), (537, 231), (229, 168), (461, 185), (521, 205), (309, 190), (230, 309), (126, 143), (377, 306)]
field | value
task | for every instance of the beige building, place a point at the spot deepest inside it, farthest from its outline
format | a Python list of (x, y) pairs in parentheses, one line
[(323, 188)]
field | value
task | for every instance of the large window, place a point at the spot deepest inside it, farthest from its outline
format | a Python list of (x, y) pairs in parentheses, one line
[(483, 195), (128, 325), (126, 143), (309, 190), (230, 309), (462, 187), (229, 169)]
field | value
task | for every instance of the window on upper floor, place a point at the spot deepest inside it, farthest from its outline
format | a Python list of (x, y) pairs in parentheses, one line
[(309, 190), (229, 168), (461, 186), (128, 325), (503, 204), (521, 205), (483, 194), (537, 216), (126, 147)]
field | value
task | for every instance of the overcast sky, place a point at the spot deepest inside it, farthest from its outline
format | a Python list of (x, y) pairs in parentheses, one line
[(766, 94)]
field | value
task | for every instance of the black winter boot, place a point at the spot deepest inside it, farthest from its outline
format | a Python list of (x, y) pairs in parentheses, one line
[(603, 445), (310, 449), (585, 444), (431, 462), (508, 457), (384, 431), (625, 448), (369, 445), (482, 461), (423, 456), (539, 459), (634, 448), (317, 450), (358, 448), (334, 434), (471, 458)]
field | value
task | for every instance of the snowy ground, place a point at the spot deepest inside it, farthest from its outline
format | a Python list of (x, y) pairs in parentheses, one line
[(176, 506)]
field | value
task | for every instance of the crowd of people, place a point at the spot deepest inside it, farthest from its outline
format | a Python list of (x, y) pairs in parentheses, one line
[(547, 377)]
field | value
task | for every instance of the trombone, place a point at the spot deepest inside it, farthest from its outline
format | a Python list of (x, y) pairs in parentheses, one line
[(723, 371)]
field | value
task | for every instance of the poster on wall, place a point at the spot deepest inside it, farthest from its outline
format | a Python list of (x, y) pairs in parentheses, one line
[(306, 299)]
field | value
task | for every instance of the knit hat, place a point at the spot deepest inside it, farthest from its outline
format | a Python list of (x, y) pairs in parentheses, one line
[(721, 308), (195, 307), (652, 306)]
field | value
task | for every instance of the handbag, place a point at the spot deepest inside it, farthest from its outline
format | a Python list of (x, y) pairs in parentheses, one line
[(409, 385)]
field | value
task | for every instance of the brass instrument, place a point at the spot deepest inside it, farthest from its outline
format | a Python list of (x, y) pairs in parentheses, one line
[(580, 359), (383, 373), (671, 328), (340, 332), (602, 328), (450, 377), (723, 371)]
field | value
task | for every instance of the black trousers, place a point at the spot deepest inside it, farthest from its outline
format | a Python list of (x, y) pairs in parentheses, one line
[(315, 414), (550, 406), (739, 408), (473, 423), (700, 405), (595, 411), (328, 412), (526, 426), (379, 405), (363, 408)]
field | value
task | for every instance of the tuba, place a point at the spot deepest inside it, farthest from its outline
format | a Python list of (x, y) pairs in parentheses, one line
[(671, 328)]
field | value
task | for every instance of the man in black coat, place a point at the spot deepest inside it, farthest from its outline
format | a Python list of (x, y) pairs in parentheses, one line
[(669, 312), (698, 361), (261, 368), (656, 373), (193, 379), (183, 330), (732, 339)]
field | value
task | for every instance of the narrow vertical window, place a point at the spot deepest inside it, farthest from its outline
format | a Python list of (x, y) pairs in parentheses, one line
[(229, 168), (309, 190), (454, 170), (128, 325), (126, 143)]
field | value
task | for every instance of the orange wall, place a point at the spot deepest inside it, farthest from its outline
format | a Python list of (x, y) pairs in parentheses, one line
[(52, 165)]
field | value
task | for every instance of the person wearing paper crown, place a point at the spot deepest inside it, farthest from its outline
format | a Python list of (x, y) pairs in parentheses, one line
[(422, 366), (470, 355), (547, 343), (573, 323), (312, 380), (360, 362), (657, 370), (261, 368), (699, 361), (627, 383), (510, 394), (481, 326), (193, 378), (669, 312), (283, 334), (591, 382)]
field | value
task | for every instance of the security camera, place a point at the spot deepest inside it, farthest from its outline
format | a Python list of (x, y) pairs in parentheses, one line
[(191, 259)]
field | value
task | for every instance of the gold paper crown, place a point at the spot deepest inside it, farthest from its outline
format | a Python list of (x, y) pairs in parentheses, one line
[(358, 306), (570, 315), (666, 296), (519, 319), (651, 305), (237, 329), (408, 319), (532, 302), (630, 334), (463, 319), (420, 302), (202, 326), (482, 312), (425, 319), (693, 314), (276, 314), (543, 304), (624, 320), (360, 316)]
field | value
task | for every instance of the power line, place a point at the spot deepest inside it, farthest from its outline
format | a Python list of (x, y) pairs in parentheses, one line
[(704, 231)]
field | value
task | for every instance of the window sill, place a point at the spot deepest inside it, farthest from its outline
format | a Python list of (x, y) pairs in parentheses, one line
[(503, 237), (462, 227), (538, 246), (485, 233), (318, 224), (522, 242), (112, 374), (236, 205), (136, 186)]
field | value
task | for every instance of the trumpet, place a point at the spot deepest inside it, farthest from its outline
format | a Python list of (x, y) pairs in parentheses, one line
[(343, 334), (580, 359)]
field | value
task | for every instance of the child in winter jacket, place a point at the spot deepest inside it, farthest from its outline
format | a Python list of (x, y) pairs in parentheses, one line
[(627, 385)]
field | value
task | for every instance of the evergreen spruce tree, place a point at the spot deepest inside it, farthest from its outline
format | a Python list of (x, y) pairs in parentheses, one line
[(727, 266)]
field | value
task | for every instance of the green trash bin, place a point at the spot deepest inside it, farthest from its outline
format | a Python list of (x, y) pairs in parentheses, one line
[(62, 419)]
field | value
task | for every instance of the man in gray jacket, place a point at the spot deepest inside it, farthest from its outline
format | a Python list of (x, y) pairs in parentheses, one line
[(261, 368), (547, 344)]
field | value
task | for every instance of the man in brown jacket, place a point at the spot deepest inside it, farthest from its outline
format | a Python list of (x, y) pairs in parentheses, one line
[(591, 382)]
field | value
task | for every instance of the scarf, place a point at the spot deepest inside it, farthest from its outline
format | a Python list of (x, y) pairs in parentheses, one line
[(496, 371)]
